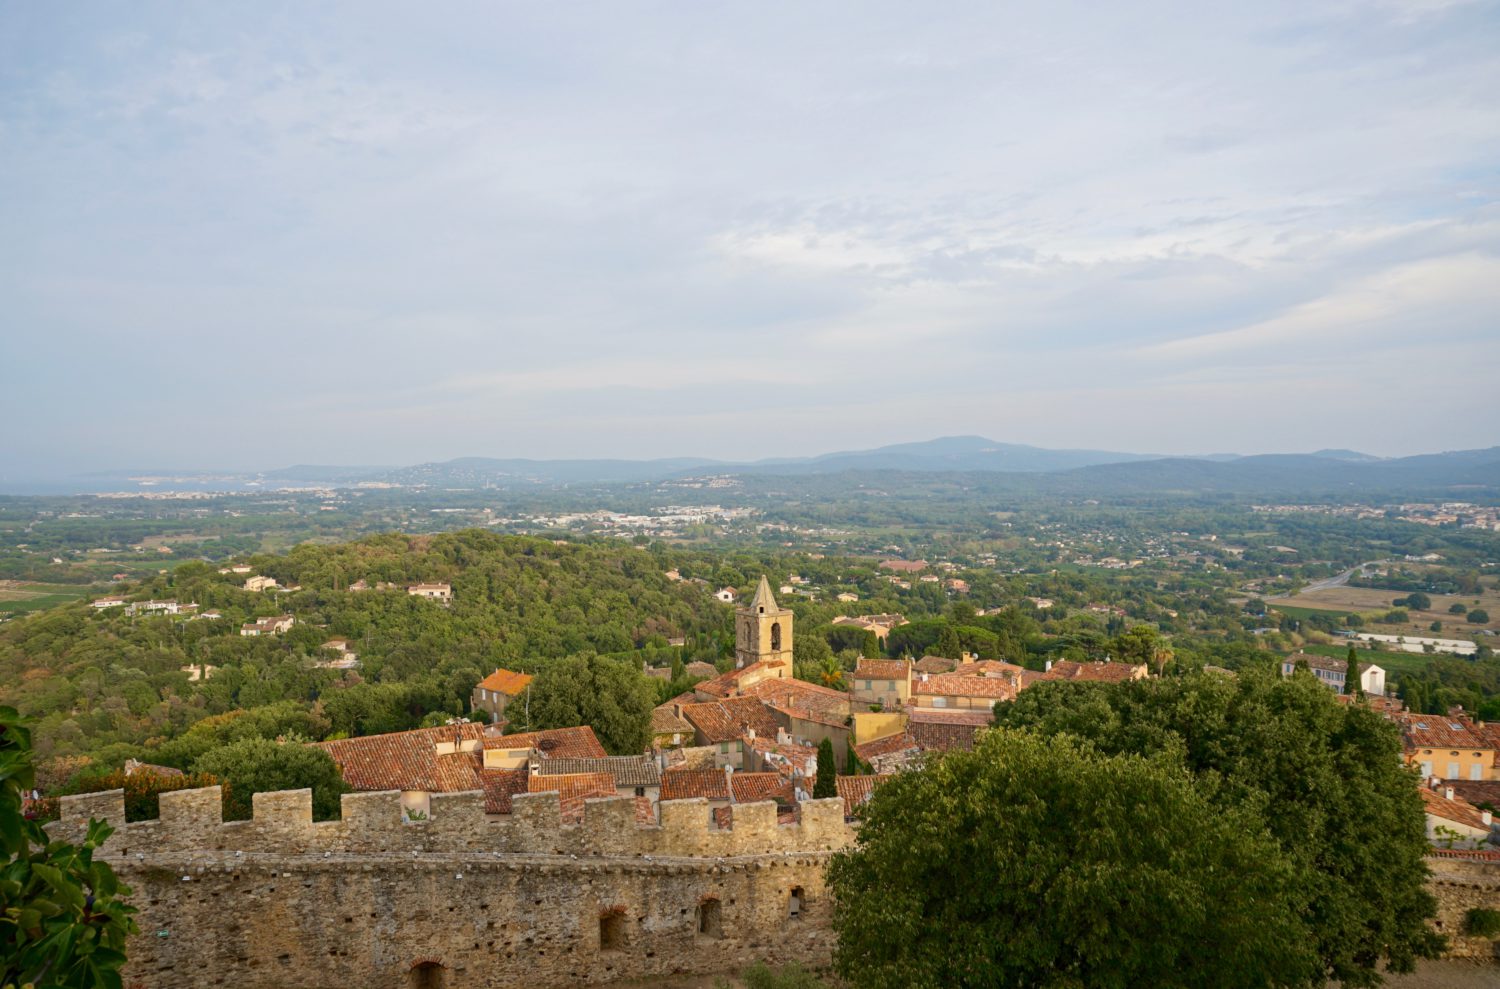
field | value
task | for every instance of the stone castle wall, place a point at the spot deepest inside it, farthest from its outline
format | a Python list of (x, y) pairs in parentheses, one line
[(1460, 885), (462, 899), (465, 900)]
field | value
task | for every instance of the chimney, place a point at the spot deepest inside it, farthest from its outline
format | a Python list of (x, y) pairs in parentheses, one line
[(1447, 793), (749, 733), (1486, 817), (782, 738), (1049, 667), (729, 781)]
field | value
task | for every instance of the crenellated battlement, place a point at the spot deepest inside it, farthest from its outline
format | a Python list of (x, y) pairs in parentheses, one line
[(192, 821), (500, 901)]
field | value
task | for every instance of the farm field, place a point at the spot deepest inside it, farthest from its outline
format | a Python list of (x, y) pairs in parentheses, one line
[(1343, 600), (18, 597)]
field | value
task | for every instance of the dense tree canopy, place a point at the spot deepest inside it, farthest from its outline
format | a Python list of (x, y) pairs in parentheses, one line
[(1324, 778), (610, 695), (1043, 862), (259, 765)]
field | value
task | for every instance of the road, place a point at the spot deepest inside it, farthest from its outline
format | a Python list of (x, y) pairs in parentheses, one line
[(1339, 580)]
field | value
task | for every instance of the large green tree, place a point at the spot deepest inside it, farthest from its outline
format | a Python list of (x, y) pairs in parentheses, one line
[(1043, 862), (1326, 779), (259, 765), (610, 696), (63, 923)]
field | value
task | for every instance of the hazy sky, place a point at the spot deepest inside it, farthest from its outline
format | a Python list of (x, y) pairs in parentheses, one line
[(254, 235)]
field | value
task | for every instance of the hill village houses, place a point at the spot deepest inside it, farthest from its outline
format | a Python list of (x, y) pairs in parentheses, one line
[(752, 734)]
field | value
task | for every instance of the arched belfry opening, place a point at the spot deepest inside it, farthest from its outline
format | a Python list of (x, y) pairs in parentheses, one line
[(775, 636)]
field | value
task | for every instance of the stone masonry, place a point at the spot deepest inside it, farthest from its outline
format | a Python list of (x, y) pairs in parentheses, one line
[(461, 899)]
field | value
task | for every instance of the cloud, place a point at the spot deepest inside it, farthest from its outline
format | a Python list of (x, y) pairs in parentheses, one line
[(630, 229)]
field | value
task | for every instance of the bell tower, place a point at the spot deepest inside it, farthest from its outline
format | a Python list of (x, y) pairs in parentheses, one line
[(763, 632)]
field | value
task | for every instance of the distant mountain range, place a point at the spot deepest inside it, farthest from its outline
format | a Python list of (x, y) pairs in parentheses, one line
[(1073, 471)]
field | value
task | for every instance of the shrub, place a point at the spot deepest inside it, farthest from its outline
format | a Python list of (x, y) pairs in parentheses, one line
[(143, 789), (1482, 922)]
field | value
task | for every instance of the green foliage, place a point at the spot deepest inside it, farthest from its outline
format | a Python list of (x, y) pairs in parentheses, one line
[(1482, 922), (1287, 753), (143, 790), (258, 765), (1478, 616), (63, 922), (793, 976), (1458, 608), (611, 696), (1043, 862), (826, 784)]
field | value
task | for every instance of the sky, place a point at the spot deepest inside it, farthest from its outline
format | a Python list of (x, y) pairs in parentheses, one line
[(256, 235)]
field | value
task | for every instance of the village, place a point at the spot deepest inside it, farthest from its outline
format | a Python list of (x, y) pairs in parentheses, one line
[(754, 733)]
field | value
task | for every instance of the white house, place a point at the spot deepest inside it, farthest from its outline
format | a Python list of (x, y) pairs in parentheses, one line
[(1334, 673)]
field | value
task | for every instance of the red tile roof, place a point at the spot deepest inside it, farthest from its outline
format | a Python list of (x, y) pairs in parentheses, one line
[(889, 745), (727, 720), (936, 664), (800, 699), (728, 684), (666, 721), (408, 760), (942, 731), (964, 685), (856, 790), (552, 743), (507, 682), (679, 784), (1067, 669), (882, 669), (1459, 811), (573, 789), (1441, 731)]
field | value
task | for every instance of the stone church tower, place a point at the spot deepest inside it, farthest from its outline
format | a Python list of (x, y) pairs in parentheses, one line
[(763, 632)]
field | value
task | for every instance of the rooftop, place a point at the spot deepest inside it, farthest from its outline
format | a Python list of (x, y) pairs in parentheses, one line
[(507, 682), (727, 720), (625, 770)]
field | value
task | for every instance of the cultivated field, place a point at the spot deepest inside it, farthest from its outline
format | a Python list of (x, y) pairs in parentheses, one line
[(1365, 599), (18, 597)]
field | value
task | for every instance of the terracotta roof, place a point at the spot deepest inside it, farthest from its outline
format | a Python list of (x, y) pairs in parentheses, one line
[(1477, 791), (889, 745), (507, 682), (936, 664), (903, 566), (682, 784), (666, 721), (882, 669), (698, 668), (991, 666), (500, 785), (800, 699), (552, 743), (408, 760), (855, 790), (1066, 669), (1459, 811), (752, 787), (679, 784), (1441, 731), (942, 731), (625, 770), (964, 685), (728, 684), (573, 789), (726, 720)]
